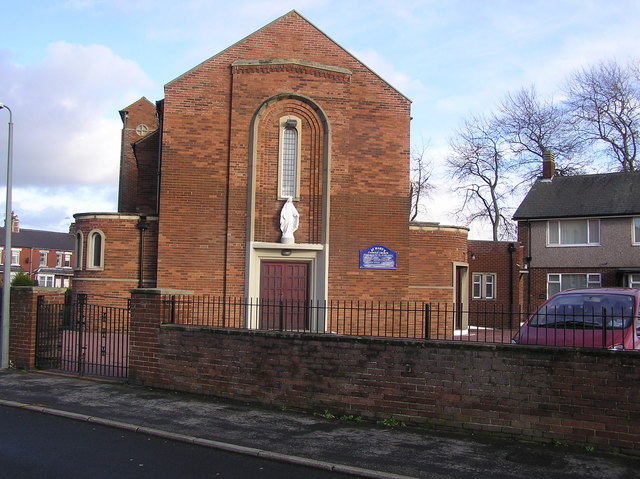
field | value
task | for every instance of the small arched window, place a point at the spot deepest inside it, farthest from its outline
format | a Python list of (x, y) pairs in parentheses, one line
[(95, 253), (78, 250), (289, 164)]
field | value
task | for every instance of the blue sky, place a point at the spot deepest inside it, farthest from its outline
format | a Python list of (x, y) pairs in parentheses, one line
[(68, 66)]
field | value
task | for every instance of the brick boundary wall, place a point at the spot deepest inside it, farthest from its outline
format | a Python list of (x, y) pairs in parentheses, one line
[(22, 327), (579, 397)]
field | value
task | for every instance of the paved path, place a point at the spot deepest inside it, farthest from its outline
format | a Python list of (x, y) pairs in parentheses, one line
[(361, 449)]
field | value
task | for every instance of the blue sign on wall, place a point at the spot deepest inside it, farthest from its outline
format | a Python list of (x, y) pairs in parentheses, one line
[(378, 257)]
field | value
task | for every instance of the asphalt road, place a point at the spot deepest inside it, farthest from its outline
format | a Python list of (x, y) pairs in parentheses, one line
[(363, 449), (34, 445)]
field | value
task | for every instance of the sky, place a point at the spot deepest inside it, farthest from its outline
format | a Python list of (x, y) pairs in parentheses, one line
[(67, 67)]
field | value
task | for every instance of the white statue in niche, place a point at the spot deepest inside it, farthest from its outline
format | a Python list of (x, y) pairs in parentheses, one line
[(289, 222)]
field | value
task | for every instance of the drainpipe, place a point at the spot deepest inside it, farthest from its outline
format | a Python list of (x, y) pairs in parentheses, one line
[(511, 249), (160, 116), (142, 227), (527, 261)]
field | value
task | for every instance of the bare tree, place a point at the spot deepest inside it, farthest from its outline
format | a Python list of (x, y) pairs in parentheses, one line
[(532, 126), (481, 162), (605, 109), (421, 187)]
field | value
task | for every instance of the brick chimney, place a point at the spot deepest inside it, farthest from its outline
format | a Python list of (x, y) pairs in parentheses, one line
[(15, 223), (548, 165)]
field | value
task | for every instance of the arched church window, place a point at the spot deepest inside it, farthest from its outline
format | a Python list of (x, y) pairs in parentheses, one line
[(95, 253), (289, 165)]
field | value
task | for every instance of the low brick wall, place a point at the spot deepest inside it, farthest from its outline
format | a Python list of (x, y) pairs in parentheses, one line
[(577, 397)]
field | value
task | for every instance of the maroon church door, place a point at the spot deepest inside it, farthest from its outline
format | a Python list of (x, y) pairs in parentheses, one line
[(284, 294)]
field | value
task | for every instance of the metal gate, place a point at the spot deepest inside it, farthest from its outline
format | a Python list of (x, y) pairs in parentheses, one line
[(82, 338)]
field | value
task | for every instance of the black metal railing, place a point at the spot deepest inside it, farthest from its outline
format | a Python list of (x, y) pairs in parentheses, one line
[(484, 323), (398, 319)]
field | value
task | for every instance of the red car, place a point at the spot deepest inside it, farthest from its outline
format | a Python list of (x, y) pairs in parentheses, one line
[(591, 318)]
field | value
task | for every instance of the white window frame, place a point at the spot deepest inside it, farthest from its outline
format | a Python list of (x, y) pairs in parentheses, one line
[(593, 280), (555, 237), (79, 250), (66, 260), (15, 254), (632, 280), (91, 253), (44, 257), (284, 126), (635, 231), (46, 280), (484, 286), (59, 259)]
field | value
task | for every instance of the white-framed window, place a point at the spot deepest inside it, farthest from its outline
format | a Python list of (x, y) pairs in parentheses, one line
[(289, 158), (632, 280), (582, 232), (557, 282), (484, 285), (63, 260), (15, 256), (46, 280), (635, 231), (44, 257), (95, 250), (79, 250)]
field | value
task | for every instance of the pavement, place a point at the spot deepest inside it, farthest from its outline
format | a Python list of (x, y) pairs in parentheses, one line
[(362, 449)]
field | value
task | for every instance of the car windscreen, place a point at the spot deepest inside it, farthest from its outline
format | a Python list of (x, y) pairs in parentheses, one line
[(582, 310)]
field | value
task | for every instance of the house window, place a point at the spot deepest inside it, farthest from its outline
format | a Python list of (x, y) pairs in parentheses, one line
[(79, 240), (484, 285), (557, 282), (45, 280), (632, 280), (44, 255), (636, 231), (63, 260), (573, 233), (289, 164), (15, 256), (95, 253)]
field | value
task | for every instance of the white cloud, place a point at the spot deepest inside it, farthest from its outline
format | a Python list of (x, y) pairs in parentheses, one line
[(66, 125), (52, 208), (66, 131), (382, 67)]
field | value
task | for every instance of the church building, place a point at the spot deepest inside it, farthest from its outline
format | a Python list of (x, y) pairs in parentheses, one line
[(276, 169)]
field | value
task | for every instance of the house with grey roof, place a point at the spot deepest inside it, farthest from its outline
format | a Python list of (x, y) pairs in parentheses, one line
[(579, 231), (45, 255)]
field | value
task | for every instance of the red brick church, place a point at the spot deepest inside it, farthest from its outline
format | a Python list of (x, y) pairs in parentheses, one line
[(278, 168)]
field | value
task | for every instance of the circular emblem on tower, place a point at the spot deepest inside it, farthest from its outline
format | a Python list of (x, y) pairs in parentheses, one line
[(142, 129)]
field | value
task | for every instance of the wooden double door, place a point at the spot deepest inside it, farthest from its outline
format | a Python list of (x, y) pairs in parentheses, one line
[(284, 295)]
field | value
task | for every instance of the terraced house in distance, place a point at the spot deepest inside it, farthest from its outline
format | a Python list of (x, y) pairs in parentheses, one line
[(579, 231), (277, 169), (46, 256)]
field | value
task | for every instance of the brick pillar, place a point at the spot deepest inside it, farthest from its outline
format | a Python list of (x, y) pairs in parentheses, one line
[(22, 334), (147, 309)]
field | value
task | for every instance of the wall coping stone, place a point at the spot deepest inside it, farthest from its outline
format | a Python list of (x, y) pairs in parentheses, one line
[(161, 291)]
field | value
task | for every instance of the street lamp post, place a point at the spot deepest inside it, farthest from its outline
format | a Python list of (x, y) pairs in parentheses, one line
[(6, 278)]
